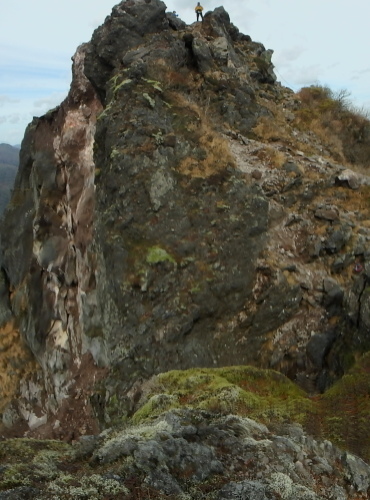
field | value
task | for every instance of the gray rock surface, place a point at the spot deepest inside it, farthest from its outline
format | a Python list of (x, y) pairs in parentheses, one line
[(140, 239), (187, 454)]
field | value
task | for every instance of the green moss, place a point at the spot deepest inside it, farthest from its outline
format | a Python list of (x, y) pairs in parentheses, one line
[(16, 475), (157, 254), (243, 390), (114, 86), (14, 451), (196, 289), (345, 409), (340, 415), (105, 111), (156, 405), (115, 410), (91, 487), (28, 460)]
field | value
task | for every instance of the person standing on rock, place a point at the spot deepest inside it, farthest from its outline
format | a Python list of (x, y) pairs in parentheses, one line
[(198, 11)]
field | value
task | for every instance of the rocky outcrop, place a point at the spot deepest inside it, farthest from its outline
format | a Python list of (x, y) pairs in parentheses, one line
[(184, 455), (48, 271), (170, 214), (138, 234)]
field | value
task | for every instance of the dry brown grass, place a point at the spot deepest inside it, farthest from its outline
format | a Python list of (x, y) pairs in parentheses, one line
[(271, 130), (179, 80), (271, 157), (352, 201), (343, 130), (16, 361), (329, 139), (218, 155)]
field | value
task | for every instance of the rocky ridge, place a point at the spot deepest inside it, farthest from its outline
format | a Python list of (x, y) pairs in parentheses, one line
[(186, 455), (171, 214)]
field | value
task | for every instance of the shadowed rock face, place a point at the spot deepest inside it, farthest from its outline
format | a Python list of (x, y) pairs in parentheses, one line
[(147, 232), (48, 229), (139, 255)]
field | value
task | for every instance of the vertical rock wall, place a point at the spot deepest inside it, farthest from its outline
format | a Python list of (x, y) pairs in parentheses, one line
[(47, 232), (148, 229)]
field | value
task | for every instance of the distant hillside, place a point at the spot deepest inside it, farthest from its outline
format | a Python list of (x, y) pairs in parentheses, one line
[(9, 160)]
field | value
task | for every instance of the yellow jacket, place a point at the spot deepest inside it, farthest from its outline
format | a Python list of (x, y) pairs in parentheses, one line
[(198, 8)]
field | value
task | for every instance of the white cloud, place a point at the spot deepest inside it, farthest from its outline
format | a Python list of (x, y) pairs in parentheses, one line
[(312, 41), (4, 99), (16, 118), (297, 77), (49, 102), (12, 118), (358, 75), (285, 57)]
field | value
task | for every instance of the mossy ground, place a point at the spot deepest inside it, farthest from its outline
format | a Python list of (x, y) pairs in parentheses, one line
[(345, 409), (263, 395), (25, 462), (340, 415), (53, 468)]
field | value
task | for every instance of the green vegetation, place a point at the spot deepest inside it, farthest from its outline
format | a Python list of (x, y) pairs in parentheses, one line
[(93, 486), (264, 395), (340, 415), (23, 456), (157, 255), (16, 450), (345, 409)]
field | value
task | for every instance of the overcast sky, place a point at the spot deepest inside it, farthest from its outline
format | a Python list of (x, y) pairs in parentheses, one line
[(315, 41)]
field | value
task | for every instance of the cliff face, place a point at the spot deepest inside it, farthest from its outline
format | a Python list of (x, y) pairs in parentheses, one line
[(149, 229), (46, 233)]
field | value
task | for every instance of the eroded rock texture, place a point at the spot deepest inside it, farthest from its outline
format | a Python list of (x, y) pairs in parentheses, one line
[(187, 455), (46, 233), (149, 229)]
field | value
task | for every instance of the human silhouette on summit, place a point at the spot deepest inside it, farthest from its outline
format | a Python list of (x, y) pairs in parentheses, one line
[(198, 11)]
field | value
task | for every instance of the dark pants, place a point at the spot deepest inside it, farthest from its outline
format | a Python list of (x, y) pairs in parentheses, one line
[(199, 13)]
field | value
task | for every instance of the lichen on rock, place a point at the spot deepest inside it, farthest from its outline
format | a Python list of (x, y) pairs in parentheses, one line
[(171, 219)]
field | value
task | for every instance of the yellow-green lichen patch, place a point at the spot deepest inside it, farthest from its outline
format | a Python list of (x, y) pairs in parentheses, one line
[(13, 451), (259, 394), (91, 487), (29, 460), (154, 83), (149, 99), (113, 84), (122, 84), (15, 475), (157, 255), (157, 404)]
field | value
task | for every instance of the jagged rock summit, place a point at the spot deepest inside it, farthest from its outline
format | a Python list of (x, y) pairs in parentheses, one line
[(151, 229), (131, 236)]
